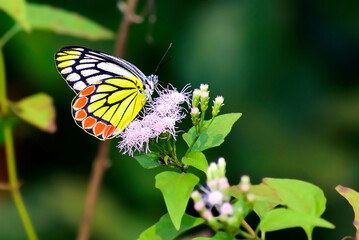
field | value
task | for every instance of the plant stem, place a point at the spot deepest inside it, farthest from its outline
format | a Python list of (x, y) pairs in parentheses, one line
[(249, 229), (10, 155), (101, 161), (9, 34), (200, 131)]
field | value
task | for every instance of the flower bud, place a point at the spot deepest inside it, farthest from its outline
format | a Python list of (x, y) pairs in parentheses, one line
[(204, 101), (217, 104), (221, 166), (226, 209), (251, 197), (196, 196), (199, 206), (207, 215), (196, 97), (195, 116), (204, 87)]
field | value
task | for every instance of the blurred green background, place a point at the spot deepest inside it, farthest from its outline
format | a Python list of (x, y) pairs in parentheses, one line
[(291, 68)]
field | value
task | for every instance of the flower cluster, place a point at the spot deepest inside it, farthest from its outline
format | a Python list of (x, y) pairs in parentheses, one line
[(214, 203), (161, 116), (200, 100)]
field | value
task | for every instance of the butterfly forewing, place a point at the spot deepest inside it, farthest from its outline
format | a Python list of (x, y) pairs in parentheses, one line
[(105, 108), (81, 67)]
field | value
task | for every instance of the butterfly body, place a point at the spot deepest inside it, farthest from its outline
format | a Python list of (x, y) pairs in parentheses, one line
[(110, 91)]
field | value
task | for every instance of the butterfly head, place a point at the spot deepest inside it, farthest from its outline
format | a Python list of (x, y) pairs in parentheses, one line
[(150, 85)]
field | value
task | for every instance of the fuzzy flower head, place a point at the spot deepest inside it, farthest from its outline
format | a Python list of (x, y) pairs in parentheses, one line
[(161, 116)]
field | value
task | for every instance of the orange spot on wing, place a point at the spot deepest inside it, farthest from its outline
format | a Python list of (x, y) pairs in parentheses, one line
[(99, 127), (80, 103), (80, 114), (87, 91), (109, 130), (88, 122)]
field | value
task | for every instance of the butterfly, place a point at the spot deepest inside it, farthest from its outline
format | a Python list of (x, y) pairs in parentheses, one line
[(110, 91)]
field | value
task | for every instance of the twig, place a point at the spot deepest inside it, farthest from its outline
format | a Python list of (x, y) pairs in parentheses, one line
[(10, 156), (99, 166), (101, 161), (249, 229), (122, 34)]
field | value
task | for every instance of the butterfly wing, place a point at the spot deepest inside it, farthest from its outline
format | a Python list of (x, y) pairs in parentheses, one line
[(109, 90), (81, 67), (106, 107)]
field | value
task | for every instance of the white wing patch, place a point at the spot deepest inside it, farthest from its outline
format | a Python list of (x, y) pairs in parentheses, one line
[(66, 70), (96, 78), (73, 77), (80, 85), (114, 68), (86, 60), (83, 66), (89, 72)]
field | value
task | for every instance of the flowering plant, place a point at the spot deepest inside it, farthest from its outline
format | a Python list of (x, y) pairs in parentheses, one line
[(151, 140)]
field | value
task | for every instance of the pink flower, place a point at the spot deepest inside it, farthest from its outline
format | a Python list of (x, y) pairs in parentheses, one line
[(226, 209), (161, 116)]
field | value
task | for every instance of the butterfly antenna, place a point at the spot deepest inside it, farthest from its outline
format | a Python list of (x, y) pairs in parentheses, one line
[(164, 55)]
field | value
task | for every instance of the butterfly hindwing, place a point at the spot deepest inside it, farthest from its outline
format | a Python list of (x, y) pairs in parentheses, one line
[(81, 67), (105, 108)]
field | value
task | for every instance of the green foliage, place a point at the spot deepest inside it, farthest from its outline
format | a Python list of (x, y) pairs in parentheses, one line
[(282, 218), (197, 160), (65, 22), (164, 229), (37, 110), (149, 160), (17, 9), (266, 198), (352, 197), (176, 189), (304, 202), (215, 134), (219, 236)]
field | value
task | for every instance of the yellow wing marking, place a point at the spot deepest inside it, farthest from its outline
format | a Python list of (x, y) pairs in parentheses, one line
[(122, 83), (122, 113), (66, 63), (120, 95), (72, 52), (96, 105), (108, 115), (67, 57), (101, 111), (106, 88), (98, 97)]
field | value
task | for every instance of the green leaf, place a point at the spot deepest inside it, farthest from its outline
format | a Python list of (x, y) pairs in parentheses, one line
[(37, 110), (219, 236), (176, 189), (214, 135), (353, 198), (17, 10), (305, 202), (148, 160), (61, 21), (266, 199), (164, 229), (299, 195), (282, 218), (196, 159)]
